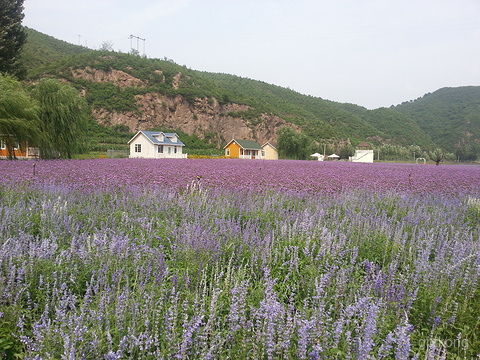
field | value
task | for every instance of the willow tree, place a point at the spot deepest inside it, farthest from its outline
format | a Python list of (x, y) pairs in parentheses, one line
[(63, 115), (18, 116), (294, 145)]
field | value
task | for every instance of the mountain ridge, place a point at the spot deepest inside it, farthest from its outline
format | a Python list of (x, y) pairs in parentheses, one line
[(449, 113), (151, 93)]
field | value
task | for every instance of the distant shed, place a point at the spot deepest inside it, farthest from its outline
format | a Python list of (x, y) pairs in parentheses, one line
[(363, 153)]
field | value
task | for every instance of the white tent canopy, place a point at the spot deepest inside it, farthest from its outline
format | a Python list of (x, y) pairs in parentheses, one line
[(333, 156), (318, 156)]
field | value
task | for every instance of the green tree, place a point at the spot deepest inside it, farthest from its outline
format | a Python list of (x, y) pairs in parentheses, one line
[(106, 46), (437, 155), (12, 34), (294, 145), (346, 151), (414, 151), (63, 115), (467, 151), (18, 116)]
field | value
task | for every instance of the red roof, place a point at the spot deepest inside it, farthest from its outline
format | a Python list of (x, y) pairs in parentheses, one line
[(363, 144)]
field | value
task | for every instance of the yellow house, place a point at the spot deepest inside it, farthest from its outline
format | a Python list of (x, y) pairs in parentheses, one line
[(249, 149), (269, 151), (243, 149)]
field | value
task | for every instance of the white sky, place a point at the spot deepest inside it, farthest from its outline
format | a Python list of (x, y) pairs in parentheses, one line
[(371, 53)]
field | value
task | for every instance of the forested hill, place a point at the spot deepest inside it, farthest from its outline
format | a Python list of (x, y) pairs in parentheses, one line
[(451, 116), (41, 50), (151, 93)]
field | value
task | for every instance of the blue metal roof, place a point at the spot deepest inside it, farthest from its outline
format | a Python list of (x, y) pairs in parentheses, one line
[(151, 136)]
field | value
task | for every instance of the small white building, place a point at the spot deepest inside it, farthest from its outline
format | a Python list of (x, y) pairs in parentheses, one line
[(362, 153), (156, 145)]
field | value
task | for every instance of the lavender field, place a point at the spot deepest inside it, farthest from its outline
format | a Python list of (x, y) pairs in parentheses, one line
[(232, 259)]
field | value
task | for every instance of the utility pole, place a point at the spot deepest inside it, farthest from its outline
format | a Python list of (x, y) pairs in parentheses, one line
[(138, 39)]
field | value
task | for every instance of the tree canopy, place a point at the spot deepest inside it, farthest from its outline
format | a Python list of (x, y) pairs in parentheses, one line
[(12, 34), (293, 145), (437, 155), (18, 115), (52, 117), (63, 115)]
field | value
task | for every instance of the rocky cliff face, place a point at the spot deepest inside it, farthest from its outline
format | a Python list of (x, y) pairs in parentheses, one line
[(117, 77), (203, 117)]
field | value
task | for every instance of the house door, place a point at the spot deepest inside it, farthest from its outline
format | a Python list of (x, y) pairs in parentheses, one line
[(254, 153)]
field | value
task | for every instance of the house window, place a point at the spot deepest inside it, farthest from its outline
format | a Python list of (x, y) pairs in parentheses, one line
[(138, 148), (175, 149), (228, 152), (241, 151), (263, 153), (160, 149), (169, 150), (14, 143)]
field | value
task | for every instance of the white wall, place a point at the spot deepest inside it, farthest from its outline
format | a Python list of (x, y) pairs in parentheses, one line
[(147, 148), (150, 151), (365, 156)]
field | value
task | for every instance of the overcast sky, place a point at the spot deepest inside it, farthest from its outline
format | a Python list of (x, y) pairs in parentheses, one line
[(371, 53)]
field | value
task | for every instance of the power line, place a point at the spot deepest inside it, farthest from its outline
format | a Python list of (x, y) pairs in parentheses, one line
[(138, 40)]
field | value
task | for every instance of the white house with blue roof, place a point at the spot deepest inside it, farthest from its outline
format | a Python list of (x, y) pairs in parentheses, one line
[(156, 145)]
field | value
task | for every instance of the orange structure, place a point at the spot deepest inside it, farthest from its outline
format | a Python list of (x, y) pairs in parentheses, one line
[(16, 151), (243, 149)]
